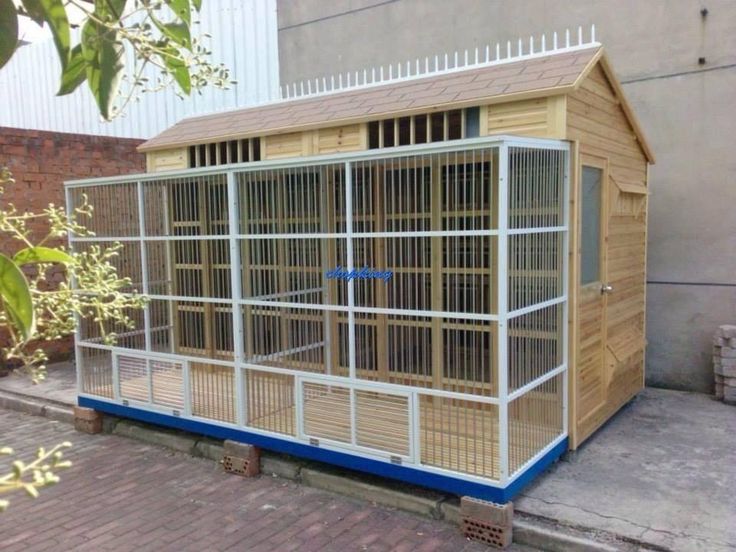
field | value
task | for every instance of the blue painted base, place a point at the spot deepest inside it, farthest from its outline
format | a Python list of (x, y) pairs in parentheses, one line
[(445, 483)]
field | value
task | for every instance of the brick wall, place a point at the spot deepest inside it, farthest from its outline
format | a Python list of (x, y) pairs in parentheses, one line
[(41, 161)]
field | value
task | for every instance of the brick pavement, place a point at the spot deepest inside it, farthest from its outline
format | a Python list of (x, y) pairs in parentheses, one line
[(124, 495)]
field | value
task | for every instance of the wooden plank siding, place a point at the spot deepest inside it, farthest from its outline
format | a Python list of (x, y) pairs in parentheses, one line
[(167, 160), (596, 120), (315, 142), (539, 117)]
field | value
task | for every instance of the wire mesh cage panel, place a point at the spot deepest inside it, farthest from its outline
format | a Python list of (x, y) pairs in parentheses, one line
[(408, 305), (95, 372)]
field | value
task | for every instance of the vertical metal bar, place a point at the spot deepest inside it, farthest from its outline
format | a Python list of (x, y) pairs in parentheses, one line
[(144, 265), (77, 320), (115, 377), (414, 429), (350, 267), (299, 403), (187, 384), (149, 375), (566, 287), (503, 367), (351, 292), (236, 295)]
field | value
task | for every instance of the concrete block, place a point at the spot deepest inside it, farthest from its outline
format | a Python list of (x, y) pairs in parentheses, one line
[(212, 450), (236, 448), (720, 341), (59, 413), (541, 537), (87, 420), (280, 467), (719, 391), (727, 330), (245, 467), (450, 512), (727, 369), (21, 405), (492, 535), (183, 443), (241, 459), (109, 423), (423, 505), (487, 522), (482, 510), (732, 342), (729, 394), (728, 352), (84, 413), (730, 381)]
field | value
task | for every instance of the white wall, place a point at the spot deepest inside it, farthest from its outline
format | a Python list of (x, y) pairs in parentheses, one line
[(244, 38)]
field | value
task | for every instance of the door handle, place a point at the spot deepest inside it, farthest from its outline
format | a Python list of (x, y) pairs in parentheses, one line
[(606, 288)]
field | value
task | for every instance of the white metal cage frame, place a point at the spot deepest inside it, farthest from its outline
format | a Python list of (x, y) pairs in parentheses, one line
[(475, 233)]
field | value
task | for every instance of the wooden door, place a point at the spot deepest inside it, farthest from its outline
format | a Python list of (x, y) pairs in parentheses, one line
[(590, 385)]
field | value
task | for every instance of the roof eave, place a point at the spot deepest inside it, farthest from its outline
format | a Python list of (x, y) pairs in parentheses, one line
[(499, 98), (602, 58)]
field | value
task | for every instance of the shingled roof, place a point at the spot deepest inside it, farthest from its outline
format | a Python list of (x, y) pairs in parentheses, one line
[(556, 73)]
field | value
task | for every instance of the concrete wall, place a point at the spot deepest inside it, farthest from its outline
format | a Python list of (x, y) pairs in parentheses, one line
[(687, 109)]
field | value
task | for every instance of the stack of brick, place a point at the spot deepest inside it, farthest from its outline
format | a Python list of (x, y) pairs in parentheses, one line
[(724, 363)]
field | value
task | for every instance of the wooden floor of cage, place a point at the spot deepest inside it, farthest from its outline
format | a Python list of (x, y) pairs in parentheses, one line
[(459, 435)]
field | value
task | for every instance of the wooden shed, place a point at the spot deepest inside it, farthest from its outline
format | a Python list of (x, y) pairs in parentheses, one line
[(433, 271)]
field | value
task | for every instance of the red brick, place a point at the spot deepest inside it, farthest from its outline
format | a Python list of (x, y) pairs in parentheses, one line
[(41, 162)]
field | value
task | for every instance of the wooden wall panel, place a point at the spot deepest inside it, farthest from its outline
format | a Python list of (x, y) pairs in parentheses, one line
[(539, 117), (284, 145), (597, 122), (167, 160), (316, 142), (341, 139)]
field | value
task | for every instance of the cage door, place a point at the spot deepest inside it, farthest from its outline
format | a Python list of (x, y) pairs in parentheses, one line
[(369, 420)]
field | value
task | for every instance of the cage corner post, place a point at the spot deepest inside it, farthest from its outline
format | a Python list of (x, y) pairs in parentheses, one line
[(502, 302), (236, 273)]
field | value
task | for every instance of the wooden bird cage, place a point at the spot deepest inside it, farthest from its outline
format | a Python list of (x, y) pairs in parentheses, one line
[(438, 276)]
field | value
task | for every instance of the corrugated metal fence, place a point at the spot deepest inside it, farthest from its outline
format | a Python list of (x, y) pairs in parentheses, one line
[(244, 38)]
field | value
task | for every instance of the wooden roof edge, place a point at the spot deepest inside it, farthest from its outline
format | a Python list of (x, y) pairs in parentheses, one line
[(500, 98), (602, 57)]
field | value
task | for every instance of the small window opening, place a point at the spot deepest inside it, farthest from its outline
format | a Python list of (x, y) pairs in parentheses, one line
[(420, 129), (455, 124), (373, 140), (438, 127), (404, 131), (388, 133), (472, 122)]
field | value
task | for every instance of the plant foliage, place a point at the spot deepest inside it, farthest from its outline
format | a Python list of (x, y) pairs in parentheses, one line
[(116, 42)]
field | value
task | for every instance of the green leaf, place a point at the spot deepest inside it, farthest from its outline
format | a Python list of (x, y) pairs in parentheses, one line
[(8, 30), (54, 13), (177, 32), (181, 9), (110, 10), (103, 56), (74, 73), (34, 10), (178, 70), (16, 297), (31, 255)]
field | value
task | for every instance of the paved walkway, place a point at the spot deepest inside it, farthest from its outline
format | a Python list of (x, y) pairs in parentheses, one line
[(60, 385), (123, 495), (662, 471)]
